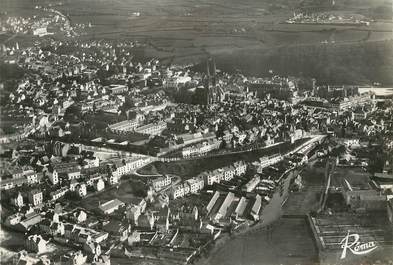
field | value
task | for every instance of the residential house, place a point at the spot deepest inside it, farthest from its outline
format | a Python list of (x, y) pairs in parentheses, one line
[(72, 173), (81, 190), (73, 184), (57, 194), (13, 219), (161, 182), (91, 179), (101, 260), (124, 126), (240, 167), (196, 184), (92, 248), (99, 185), (214, 176), (152, 128), (36, 244), (67, 171), (17, 200), (53, 177), (91, 162), (269, 160), (35, 197), (120, 167), (16, 173), (117, 229), (74, 258), (31, 177), (57, 228), (12, 183), (201, 148), (229, 172), (22, 258), (79, 216), (113, 179), (180, 190)]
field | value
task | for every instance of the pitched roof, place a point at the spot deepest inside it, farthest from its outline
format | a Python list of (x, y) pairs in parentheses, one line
[(114, 226), (111, 205)]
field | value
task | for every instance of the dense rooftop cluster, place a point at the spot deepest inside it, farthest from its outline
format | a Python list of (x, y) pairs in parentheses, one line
[(84, 117)]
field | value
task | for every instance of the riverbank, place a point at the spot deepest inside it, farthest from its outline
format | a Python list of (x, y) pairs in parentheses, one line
[(284, 236), (270, 214)]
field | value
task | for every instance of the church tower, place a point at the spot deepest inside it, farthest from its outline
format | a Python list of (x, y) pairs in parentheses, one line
[(210, 82)]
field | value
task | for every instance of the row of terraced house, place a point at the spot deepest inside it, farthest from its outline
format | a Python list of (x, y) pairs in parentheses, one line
[(208, 178), (201, 148)]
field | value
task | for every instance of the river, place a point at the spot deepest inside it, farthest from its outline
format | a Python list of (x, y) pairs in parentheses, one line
[(278, 240)]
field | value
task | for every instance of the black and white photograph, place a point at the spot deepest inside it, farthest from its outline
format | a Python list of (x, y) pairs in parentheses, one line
[(196, 132)]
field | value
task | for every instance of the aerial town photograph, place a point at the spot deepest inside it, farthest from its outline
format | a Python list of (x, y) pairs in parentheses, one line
[(204, 132)]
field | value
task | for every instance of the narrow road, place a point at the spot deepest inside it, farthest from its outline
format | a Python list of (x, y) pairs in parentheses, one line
[(329, 170)]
